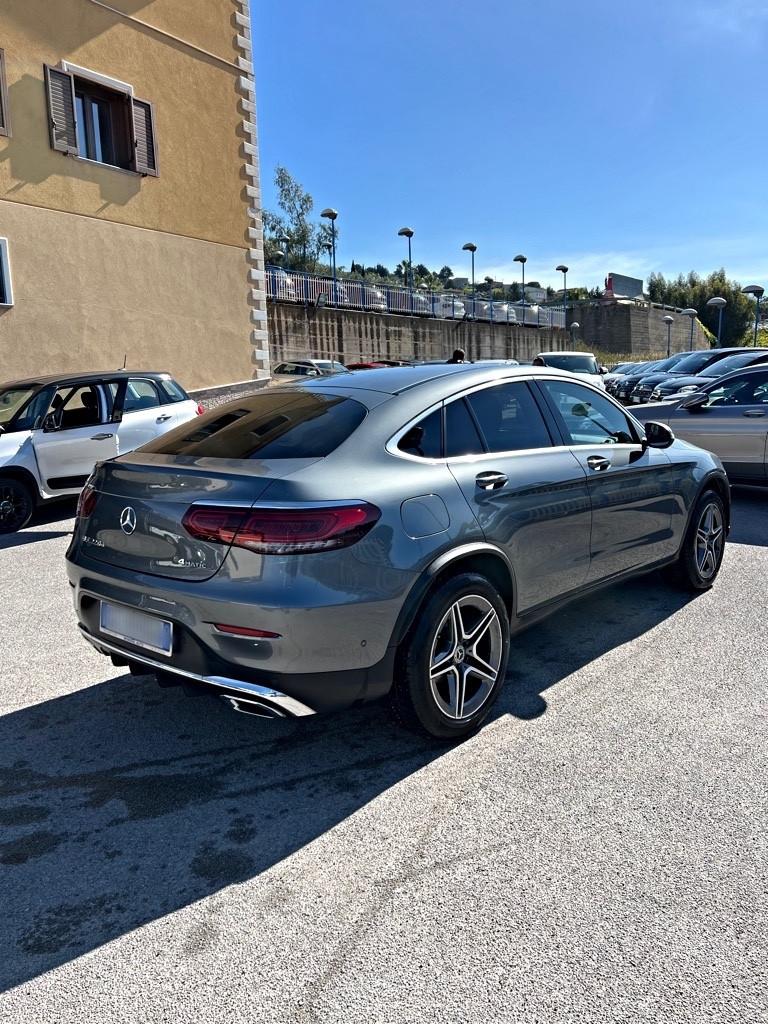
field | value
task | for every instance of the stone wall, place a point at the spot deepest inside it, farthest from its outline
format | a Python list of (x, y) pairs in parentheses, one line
[(297, 332), (634, 329)]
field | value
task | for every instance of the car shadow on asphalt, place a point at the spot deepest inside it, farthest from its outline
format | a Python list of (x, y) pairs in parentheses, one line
[(59, 513), (121, 802), (750, 516)]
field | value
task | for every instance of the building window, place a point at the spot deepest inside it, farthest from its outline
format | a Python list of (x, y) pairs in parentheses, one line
[(6, 288), (5, 119), (95, 122)]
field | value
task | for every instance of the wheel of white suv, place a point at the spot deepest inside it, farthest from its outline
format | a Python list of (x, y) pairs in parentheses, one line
[(453, 662), (704, 545), (16, 504)]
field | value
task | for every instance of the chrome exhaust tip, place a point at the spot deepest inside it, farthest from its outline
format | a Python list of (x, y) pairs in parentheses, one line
[(248, 706)]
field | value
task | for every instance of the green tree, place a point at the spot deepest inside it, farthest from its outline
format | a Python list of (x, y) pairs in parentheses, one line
[(291, 231), (445, 274), (693, 291)]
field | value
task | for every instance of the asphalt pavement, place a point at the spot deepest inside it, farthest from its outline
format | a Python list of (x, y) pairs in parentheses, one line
[(596, 853)]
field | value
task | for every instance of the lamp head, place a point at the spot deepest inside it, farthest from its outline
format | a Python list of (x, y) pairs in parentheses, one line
[(668, 319), (561, 267), (520, 258), (717, 301), (692, 313), (406, 232), (469, 247), (330, 213), (754, 289)]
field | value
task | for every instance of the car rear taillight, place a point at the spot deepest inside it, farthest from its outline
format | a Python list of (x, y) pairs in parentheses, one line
[(86, 502), (284, 531), (200, 409)]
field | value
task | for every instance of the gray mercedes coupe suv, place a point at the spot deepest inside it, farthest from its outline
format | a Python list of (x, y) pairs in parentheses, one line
[(383, 532)]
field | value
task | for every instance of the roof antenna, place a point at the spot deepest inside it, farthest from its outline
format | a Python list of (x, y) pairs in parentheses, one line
[(125, 359)]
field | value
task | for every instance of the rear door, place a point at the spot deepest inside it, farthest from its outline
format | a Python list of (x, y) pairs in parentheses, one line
[(529, 496), (631, 487), (146, 413), (733, 424), (75, 436)]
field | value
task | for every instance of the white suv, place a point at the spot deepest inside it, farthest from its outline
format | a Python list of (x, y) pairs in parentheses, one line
[(53, 430)]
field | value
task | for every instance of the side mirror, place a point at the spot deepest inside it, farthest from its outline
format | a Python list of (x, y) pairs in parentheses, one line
[(694, 401), (658, 435), (50, 423), (603, 370)]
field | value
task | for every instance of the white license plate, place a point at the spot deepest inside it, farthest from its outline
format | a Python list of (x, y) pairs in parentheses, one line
[(136, 627)]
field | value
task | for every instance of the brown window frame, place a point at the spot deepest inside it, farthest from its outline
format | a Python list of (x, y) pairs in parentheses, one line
[(5, 114)]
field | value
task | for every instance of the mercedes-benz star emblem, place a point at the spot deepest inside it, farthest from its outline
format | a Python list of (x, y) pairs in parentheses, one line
[(128, 520)]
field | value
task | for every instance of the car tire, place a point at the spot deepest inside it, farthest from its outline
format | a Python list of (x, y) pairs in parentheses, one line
[(702, 552), (451, 666), (17, 504)]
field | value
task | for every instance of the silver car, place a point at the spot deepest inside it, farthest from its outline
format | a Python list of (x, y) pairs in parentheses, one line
[(382, 533), (728, 416)]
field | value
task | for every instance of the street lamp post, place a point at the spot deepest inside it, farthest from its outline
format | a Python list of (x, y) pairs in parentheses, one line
[(471, 247), (668, 320), (757, 291), (564, 270), (331, 215), (522, 260), (573, 328), (408, 233), (692, 313), (718, 303)]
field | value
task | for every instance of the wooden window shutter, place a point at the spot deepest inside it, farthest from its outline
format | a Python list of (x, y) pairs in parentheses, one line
[(145, 144), (60, 90), (5, 120)]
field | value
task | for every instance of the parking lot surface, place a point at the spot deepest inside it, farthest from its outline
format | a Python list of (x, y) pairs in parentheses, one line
[(596, 853)]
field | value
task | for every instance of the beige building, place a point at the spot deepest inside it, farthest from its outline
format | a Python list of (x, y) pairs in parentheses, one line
[(130, 211)]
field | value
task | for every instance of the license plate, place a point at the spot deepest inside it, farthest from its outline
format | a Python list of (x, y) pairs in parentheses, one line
[(136, 627)]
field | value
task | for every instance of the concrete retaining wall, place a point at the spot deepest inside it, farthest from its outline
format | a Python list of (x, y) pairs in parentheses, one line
[(296, 332), (634, 329)]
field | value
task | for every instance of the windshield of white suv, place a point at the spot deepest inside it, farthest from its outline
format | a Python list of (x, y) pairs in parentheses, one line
[(19, 409), (574, 363)]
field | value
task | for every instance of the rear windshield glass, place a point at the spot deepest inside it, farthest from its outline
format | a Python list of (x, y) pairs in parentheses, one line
[(291, 424), (694, 363)]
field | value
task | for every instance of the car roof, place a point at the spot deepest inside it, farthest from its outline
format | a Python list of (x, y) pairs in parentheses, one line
[(394, 380), (557, 352), (84, 376)]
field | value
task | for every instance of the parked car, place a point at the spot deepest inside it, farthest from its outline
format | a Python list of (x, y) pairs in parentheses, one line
[(727, 416), (644, 388), (720, 368), (408, 303), (627, 384), (54, 429), (360, 295), (582, 364), (612, 378), (298, 369), (495, 312), (448, 307), (689, 368), (281, 286), (306, 548)]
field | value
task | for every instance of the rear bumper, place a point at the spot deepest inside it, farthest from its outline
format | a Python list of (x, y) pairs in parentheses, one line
[(291, 696)]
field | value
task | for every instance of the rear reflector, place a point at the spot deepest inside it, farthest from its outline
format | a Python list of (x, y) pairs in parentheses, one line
[(200, 409), (246, 631), (284, 531)]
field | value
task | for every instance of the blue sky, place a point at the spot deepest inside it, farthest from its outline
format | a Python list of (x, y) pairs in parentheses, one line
[(615, 136)]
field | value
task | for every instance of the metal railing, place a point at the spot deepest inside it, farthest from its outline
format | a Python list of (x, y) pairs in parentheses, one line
[(345, 293)]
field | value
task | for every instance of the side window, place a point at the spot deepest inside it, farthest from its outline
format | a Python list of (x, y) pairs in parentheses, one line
[(589, 418), (140, 394), (461, 436), (174, 392), (6, 289), (424, 438), (509, 418), (751, 390), (76, 406)]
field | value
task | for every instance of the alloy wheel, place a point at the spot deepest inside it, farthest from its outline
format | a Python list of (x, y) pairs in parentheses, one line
[(14, 507), (465, 657), (710, 537)]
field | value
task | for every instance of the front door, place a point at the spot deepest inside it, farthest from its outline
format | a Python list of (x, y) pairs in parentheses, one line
[(146, 413), (529, 497), (76, 434), (631, 487), (733, 424)]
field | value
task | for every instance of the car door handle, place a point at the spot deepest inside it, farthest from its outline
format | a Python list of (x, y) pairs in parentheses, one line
[(162, 419), (753, 412), (490, 481), (101, 437), (598, 463)]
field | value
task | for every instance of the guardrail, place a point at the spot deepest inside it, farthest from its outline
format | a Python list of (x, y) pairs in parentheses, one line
[(315, 290)]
